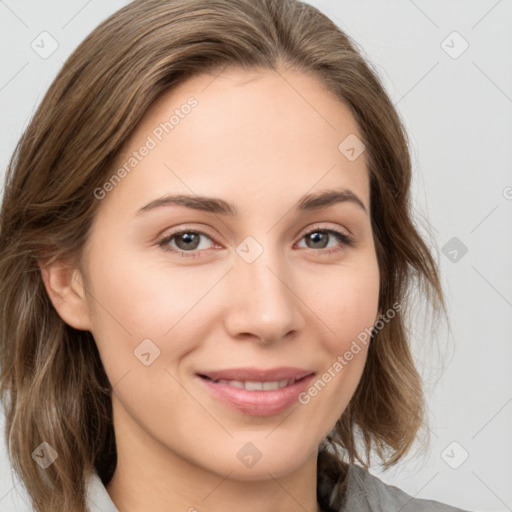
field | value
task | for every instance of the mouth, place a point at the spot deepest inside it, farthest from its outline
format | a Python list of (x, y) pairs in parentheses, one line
[(256, 392), (252, 385)]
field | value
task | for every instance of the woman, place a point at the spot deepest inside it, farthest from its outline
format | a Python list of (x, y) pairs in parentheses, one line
[(254, 367)]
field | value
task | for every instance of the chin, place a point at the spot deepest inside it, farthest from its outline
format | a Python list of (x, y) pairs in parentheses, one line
[(258, 460)]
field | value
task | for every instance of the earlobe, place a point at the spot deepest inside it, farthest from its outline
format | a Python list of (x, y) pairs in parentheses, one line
[(65, 288)]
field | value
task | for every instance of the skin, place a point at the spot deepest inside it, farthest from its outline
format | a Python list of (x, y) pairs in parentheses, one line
[(255, 141)]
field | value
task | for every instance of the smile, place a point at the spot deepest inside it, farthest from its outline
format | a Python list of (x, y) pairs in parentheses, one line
[(255, 385), (256, 392)]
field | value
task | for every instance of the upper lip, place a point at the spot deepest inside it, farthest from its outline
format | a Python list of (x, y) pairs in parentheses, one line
[(257, 374)]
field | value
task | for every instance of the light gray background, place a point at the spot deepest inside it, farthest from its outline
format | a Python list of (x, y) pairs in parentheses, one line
[(458, 115)]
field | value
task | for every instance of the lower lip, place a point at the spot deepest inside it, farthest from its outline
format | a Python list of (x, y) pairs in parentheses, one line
[(258, 403)]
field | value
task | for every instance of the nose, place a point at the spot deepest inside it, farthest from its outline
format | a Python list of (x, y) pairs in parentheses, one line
[(263, 304)]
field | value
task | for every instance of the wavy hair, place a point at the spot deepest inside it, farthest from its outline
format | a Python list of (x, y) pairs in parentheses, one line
[(52, 382)]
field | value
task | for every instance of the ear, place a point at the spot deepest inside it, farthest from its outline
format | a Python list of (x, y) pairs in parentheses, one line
[(65, 287)]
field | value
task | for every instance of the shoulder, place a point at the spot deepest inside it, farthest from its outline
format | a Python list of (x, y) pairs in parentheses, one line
[(366, 492), (343, 487)]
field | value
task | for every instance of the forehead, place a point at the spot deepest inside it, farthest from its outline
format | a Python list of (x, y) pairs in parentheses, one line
[(258, 135)]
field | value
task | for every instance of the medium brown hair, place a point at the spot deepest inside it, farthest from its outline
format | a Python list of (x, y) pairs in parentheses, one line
[(53, 384)]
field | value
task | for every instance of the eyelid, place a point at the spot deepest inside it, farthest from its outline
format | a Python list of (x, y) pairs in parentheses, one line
[(343, 235), (321, 227), (196, 228)]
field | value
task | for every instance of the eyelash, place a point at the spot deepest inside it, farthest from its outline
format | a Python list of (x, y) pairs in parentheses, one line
[(345, 239)]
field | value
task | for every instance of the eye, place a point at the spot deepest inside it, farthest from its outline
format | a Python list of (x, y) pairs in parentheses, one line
[(185, 241), (320, 238), (188, 242)]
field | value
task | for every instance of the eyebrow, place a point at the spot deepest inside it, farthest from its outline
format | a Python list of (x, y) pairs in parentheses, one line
[(308, 202)]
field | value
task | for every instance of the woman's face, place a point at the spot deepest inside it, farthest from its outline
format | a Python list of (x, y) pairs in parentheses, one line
[(267, 286)]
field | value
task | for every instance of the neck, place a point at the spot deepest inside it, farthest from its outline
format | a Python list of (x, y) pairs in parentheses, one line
[(149, 476)]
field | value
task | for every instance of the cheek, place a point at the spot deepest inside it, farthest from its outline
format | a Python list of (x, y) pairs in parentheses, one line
[(349, 305), (147, 313), (145, 296), (136, 297), (133, 300)]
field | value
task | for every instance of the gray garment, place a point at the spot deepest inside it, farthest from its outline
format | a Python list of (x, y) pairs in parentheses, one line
[(358, 492), (366, 493)]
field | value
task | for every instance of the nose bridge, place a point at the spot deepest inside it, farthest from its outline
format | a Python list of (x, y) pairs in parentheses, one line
[(264, 304)]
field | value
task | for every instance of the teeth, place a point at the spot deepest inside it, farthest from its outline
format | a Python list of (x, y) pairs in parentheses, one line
[(253, 386), (234, 383), (257, 386)]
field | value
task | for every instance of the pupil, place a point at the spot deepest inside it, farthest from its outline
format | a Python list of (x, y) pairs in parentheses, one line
[(316, 237), (187, 240)]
